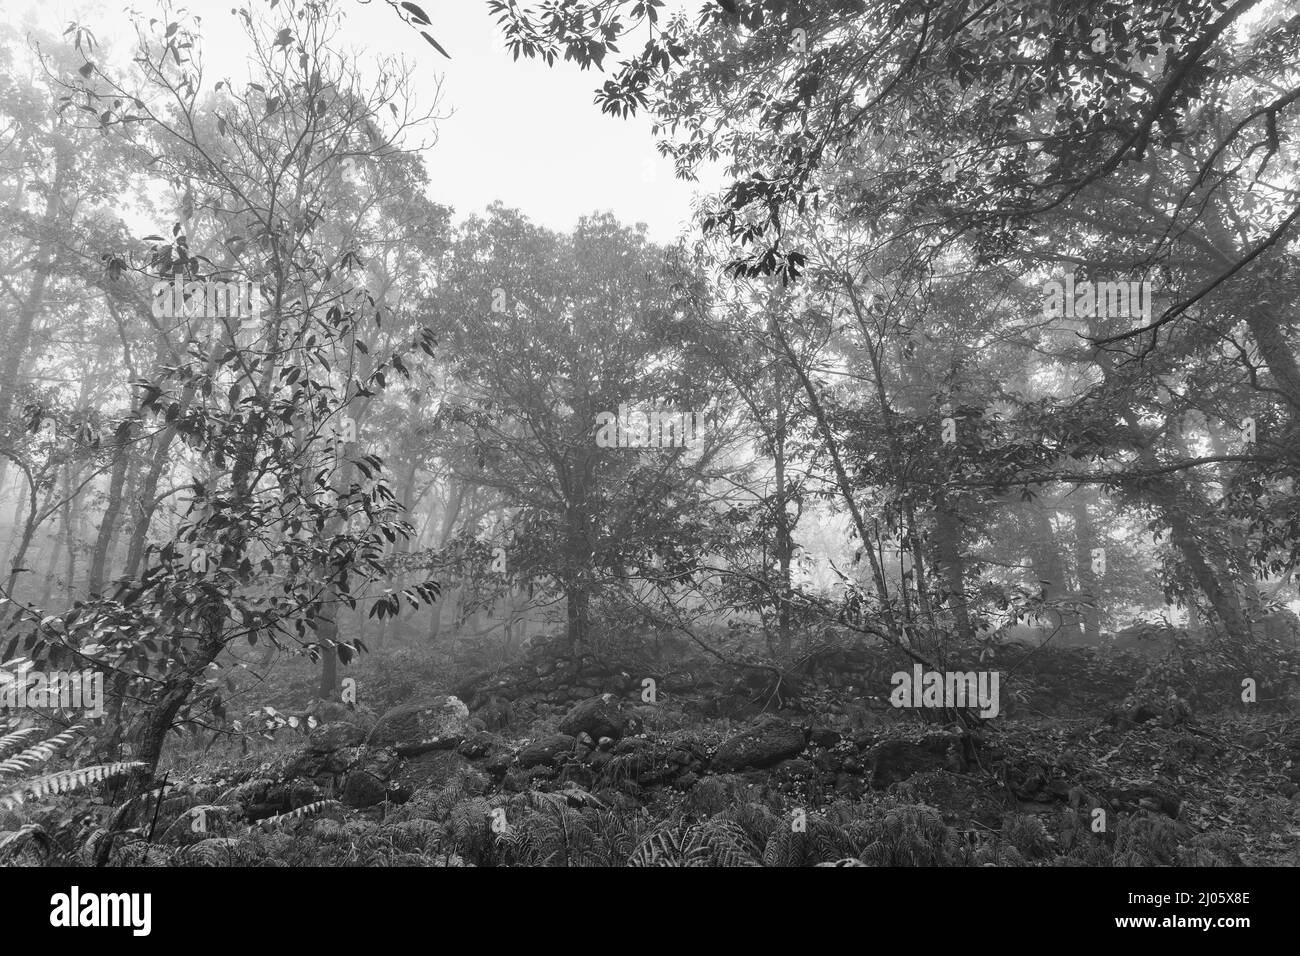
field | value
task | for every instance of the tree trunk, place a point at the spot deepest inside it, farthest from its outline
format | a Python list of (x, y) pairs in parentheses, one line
[(948, 547), (18, 341), (784, 540), (1085, 539), (108, 524), (147, 497), (1049, 565)]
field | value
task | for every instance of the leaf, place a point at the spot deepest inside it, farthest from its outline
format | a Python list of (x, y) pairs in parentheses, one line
[(419, 15), (435, 44)]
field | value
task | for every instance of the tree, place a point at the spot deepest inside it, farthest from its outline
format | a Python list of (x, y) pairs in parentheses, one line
[(550, 333)]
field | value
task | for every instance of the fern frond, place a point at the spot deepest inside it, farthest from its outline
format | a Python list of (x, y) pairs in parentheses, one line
[(663, 847), (34, 756), (12, 845), (65, 781), (12, 743), (240, 792), (215, 851), (304, 811)]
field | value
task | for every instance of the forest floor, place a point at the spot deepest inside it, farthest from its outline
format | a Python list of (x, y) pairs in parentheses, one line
[(554, 761)]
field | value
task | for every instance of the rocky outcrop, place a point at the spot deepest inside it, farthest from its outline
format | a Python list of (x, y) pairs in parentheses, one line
[(892, 761), (427, 725), (328, 738), (545, 751), (598, 717), (768, 742)]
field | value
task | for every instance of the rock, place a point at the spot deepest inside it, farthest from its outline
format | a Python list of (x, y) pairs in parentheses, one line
[(334, 736), (850, 786), (381, 763), (494, 715), (598, 716), (342, 760), (824, 737), (303, 792), (545, 751), (1149, 796), (308, 764), (769, 741), (644, 761), (362, 789), (430, 722), (633, 745), (828, 762), (480, 744), (498, 764), (895, 760)]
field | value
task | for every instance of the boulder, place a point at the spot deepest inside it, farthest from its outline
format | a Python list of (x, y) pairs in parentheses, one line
[(438, 720), (328, 738), (769, 741), (545, 751), (825, 736), (1146, 796), (597, 716), (363, 789), (895, 760)]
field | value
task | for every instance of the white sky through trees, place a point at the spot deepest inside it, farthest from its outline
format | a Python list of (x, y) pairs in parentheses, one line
[(521, 132)]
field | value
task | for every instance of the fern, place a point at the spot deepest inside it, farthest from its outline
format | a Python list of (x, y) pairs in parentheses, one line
[(39, 754), (65, 781), (663, 847), (215, 851), (14, 845), (12, 743), (912, 836), (298, 814), (728, 843)]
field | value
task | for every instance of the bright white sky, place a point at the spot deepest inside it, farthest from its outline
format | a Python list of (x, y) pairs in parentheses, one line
[(521, 132)]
